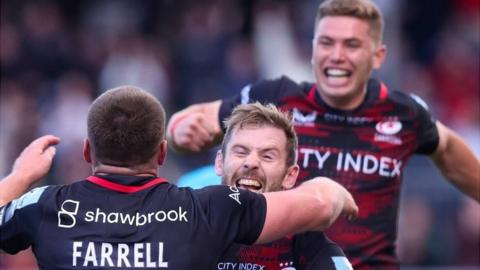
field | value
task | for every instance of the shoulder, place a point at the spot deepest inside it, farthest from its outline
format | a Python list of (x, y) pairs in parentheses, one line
[(407, 99), (30, 200), (283, 83), (401, 100), (272, 89), (227, 198)]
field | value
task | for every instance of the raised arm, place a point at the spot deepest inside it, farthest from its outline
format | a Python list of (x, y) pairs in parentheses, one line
[(32, 165), (312, 206), (195, 128), (457, 162)]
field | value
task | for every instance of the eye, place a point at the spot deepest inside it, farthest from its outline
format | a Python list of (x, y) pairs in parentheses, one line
[(268, 157), (353, 44), (325, 42), (239, 151)]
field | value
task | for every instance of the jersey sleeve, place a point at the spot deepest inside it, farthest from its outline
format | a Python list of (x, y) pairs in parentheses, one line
[(428, 138), (235, 215), (19, 221), (265, 91), (316, 251)]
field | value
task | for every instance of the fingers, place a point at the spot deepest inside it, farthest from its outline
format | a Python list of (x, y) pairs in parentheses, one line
[(50, 152), (45, 142), (194, 132), (350, 208)]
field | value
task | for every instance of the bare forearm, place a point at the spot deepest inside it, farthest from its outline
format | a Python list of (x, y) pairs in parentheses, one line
[(460, 166), (336, 200), (31, 166), (306, 208), (12, 187)]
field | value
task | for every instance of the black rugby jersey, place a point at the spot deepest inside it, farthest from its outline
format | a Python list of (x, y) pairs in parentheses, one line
[(312, 250), (364, 149), (118, 222)]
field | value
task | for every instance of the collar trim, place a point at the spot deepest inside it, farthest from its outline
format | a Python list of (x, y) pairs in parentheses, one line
[(123, 188)]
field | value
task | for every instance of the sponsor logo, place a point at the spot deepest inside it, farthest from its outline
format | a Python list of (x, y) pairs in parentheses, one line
[(67, 213), (235, 195), (251, 266), (69, 210), (348, 162), (304, 119), (136, 219), (118, 255), (354, 120), (239, 266)]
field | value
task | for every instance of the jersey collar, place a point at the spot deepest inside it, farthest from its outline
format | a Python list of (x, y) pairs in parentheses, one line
[(108, 184), (376, 90)]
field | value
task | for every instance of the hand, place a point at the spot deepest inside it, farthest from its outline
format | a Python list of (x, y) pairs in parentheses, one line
[(350, 208), (335, 195), (36, 159), (193, 131)]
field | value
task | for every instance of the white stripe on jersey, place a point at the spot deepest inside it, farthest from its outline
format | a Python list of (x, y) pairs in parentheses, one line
[(6, 212), (341, 263), (245, 94)]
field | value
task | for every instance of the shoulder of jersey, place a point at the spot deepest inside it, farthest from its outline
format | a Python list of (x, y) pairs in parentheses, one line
[(407, 99)]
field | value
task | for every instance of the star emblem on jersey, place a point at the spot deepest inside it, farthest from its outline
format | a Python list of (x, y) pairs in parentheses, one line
[(287, 266), (303, 119)]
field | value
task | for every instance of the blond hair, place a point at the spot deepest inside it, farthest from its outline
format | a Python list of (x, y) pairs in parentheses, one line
[(262, 115), (362, 9)]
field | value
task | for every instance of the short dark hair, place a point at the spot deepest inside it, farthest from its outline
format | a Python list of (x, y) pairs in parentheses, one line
[(126, 126), (362, 9), (263, 115)]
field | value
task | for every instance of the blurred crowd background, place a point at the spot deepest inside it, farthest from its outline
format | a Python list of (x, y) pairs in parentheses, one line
[(57, 56)]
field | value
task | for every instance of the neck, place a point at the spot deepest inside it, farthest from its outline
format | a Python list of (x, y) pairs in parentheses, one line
[(345, 103), (103, 169)]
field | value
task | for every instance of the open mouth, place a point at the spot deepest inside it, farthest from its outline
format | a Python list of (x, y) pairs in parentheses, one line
[(337, 73), (251, 184)]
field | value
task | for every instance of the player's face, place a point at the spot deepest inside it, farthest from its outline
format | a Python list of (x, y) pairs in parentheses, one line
[(344, 55), (255, 159)]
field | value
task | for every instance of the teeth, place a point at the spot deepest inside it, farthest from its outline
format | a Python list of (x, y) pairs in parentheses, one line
[(334, 72), (249, 182)]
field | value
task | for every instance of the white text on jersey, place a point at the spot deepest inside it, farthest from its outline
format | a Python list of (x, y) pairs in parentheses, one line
[(118, 255)]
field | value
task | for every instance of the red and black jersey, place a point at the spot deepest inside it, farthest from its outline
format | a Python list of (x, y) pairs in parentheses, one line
[(119, 222), (364, 149), (311, 250)]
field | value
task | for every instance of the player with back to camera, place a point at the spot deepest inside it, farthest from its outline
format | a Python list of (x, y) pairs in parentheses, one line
[(125, 216)]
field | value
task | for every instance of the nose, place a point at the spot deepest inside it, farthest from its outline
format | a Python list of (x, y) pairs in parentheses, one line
[(337, 54), (251, 162)]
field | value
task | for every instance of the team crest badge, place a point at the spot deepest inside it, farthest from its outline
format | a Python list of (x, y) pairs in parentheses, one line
[(388, 127)]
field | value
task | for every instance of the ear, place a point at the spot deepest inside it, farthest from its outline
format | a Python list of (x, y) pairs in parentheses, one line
[(162, 153), (219, 163), (291, 177), (379, 56), (87, 153)]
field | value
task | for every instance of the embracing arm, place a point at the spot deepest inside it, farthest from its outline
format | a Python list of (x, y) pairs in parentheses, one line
[(312, 206), (457, 162), (195, 128), (32, 165)]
